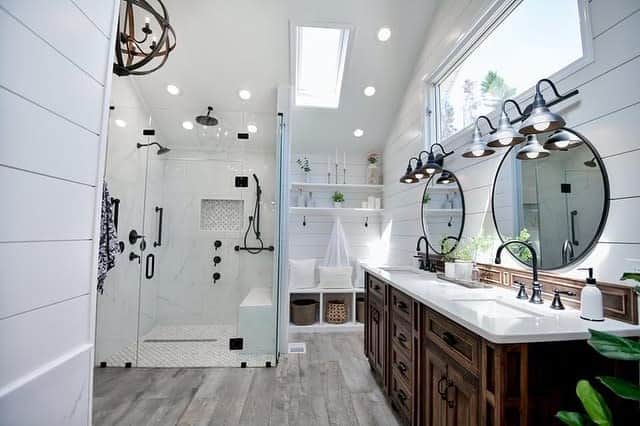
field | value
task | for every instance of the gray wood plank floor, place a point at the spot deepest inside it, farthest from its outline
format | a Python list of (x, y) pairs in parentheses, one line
[(329, 385)]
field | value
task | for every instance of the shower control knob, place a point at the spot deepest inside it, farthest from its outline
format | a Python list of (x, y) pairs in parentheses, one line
[(134, 236), (216, 277), (216, 260), (217, 244)]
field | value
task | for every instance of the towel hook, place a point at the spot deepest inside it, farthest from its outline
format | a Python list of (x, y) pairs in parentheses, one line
[(366, 222), (450, 221), (304, 221)]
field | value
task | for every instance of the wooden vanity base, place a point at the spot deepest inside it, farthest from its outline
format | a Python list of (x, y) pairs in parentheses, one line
[(436, 372)]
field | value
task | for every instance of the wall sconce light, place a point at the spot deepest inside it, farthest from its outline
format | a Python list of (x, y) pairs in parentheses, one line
[(409, 176), (506, 135), (562, 140), (541, 119), (445, 178), (532, 150), (478, 148)]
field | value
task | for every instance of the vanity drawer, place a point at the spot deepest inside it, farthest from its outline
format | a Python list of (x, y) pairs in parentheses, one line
[(376, 287), (462, 345), (401, 337), (401, 305), (401, 399), (401, 366)]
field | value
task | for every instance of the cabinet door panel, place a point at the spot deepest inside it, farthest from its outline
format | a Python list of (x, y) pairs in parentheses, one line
[(435, 375), (462, 399)]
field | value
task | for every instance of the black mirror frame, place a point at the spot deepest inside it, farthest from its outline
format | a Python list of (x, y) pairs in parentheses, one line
[(605, 207), (424, 227)]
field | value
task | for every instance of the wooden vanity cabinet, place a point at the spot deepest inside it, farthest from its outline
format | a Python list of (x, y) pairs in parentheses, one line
[(436, 372)]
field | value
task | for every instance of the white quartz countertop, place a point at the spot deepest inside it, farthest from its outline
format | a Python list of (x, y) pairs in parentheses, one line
[(495, 313)]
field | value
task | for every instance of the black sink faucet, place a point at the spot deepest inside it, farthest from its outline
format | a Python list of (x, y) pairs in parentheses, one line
[(425, 262), (536, 296)]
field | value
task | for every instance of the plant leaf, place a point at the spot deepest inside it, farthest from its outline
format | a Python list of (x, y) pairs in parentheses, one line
[(572, 418), (630, 276), (622, 388), (594, 404), (614, 347)]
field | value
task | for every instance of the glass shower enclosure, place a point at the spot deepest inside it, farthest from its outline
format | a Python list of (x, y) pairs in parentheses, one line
[(185, 291)]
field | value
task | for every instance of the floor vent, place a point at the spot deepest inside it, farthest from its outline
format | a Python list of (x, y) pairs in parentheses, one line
[(297, 348)]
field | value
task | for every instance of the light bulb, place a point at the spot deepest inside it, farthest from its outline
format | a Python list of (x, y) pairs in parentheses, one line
[(430, 170), (532, 155), (542, 126), (407, 180), (419, 175), (477, 153), (147, 20), (562, 144), (505, 141)]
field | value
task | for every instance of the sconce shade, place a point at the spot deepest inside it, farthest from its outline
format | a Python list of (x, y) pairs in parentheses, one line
[(433, 165), (445, 178), (541, 118), (409, 176), (532, 150), (562, 140), (506, 135), (477, 148)]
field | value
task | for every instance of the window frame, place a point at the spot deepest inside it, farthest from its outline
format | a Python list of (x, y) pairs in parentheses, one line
[(466, 45)]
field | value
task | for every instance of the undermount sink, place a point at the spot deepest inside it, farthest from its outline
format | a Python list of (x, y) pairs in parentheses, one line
[(496, 308), (403, 271)]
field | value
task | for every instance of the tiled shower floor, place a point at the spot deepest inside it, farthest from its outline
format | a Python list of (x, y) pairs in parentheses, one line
[(187, 346)]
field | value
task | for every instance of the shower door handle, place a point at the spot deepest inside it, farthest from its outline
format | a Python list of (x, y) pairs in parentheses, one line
[(149, 272), (574, 213), (116, 211), (160, 212)]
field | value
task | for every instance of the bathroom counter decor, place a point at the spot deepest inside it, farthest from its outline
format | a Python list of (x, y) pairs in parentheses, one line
[(343, 211)]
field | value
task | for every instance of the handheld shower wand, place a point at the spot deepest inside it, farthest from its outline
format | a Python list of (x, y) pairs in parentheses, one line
[(254, 223)]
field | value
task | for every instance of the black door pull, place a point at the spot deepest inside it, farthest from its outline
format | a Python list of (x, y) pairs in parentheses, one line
[(150, 271), (160, 212)]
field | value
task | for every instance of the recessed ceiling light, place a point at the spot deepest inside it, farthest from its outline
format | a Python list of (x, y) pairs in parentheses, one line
[(358, 132), (244, 94), (187, 125), (120, 123), (173, 90), (384, 34), (252, 128), (369, 91)]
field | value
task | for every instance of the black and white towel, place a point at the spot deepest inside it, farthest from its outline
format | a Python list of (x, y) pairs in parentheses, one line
[(108, 239)]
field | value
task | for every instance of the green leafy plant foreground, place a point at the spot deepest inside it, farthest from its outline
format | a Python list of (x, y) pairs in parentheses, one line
[(338, 197), (596, 408)]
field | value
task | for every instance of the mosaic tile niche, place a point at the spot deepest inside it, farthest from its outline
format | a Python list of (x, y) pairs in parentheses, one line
[(221, 215)]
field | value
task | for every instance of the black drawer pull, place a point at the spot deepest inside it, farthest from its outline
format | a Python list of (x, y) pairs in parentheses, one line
[(402, 338), (449, 338), (402, 396), (403, 306), (402, 367), (376, 287), (441, 391)]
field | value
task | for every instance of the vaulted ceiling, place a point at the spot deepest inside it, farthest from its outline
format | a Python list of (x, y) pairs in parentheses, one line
[(224, 46)]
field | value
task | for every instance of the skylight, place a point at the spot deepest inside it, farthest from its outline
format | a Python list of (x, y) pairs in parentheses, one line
[(320, 57)]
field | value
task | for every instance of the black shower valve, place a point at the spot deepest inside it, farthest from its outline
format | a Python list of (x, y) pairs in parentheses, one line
[(216, 260), (217, 244), (216, 276)]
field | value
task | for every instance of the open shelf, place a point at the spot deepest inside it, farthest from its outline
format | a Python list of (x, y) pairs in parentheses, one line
[(332, 211), (324, 295), (337, 186)]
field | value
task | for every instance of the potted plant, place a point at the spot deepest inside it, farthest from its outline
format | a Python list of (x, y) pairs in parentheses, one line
[(338, 199), (305, 166), (426, 199), (613, 347), (466, 254), (373, 173), (447, 250)]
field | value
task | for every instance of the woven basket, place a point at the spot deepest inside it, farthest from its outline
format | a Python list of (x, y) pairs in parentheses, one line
[(303, 311), (336, 312)]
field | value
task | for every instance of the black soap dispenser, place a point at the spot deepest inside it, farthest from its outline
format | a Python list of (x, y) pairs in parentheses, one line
[(591, 299)]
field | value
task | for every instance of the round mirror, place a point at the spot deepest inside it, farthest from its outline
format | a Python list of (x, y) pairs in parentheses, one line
[(558, 203), (442, 212)]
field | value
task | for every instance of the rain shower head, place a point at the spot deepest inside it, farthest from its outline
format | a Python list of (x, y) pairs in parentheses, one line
[(161, 150), (207, 120)]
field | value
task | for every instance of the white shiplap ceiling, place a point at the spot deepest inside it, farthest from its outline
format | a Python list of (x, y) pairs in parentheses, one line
[(224, 46)]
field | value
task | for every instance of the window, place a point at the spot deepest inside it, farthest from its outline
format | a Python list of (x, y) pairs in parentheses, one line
[(535, 40), (320, 57)]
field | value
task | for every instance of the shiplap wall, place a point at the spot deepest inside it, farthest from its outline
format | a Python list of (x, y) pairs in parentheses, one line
[(606, 111), (55, 60)]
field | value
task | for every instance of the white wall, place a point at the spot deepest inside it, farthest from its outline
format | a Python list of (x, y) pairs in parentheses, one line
[(606, 111), (55, 68)]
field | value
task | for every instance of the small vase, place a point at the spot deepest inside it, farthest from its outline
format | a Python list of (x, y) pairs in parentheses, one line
[(464, 270), (337, 205), (450, 269), (373, 174), (307, 177)]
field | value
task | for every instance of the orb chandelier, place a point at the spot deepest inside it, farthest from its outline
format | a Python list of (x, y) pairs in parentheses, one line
[(147, 51)]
